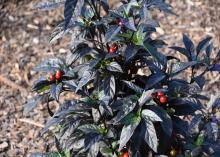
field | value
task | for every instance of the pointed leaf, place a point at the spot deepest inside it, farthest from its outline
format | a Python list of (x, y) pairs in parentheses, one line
[(68, 11), (109, 86), (149, 115), (160, 57), (126, 133), (202, 45), (133, 86), (87, 76), (115, 67), (166, 119), (145, 97), (111, 32), (179, 66), (151, 136), (31, 104)]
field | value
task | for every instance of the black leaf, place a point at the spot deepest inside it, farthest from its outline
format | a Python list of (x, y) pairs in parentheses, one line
[(154, 79), (189, 47), (32, 103), (109, 86), (133, 86), (115, 67), (111, 32), (91, 139), (151, 136), (202, 45), (87, 76), (68, 11)]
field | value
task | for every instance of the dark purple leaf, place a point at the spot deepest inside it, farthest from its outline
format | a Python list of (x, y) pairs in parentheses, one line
[(69, 11), (215, 67), (109, 86), (115, 67), (202, 45), (111, 32)]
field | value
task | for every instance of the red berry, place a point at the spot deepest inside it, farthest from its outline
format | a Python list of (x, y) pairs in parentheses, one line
[(126, 154), (62, 72), (163, 99), (52, 77), (58, 75), (160, 93), (113, 48)]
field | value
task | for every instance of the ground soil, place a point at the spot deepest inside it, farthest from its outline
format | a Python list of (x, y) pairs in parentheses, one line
[(24, 36)]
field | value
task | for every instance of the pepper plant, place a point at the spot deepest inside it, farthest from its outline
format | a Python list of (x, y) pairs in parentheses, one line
[(123, 111)]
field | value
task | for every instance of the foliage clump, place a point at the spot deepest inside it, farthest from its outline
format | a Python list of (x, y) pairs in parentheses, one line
[(122, 112)]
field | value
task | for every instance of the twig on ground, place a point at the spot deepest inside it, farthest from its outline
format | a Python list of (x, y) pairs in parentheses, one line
[(31, 122)]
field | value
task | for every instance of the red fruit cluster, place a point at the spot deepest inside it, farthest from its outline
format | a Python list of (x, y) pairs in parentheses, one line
[(113, 48), (160, 96), (126, 154), (57, 75)]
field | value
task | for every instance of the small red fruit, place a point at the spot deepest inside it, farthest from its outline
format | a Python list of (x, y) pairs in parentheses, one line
[(52, 77), (113, 48), (62, 72), (160, 93), (163, 99), (59, 74), (126, 154)]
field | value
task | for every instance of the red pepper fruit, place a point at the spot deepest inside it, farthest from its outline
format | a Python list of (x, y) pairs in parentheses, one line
[(160, 93), (52, 77), (126, 154), (113, 48), (59, 74), (163, 99)]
